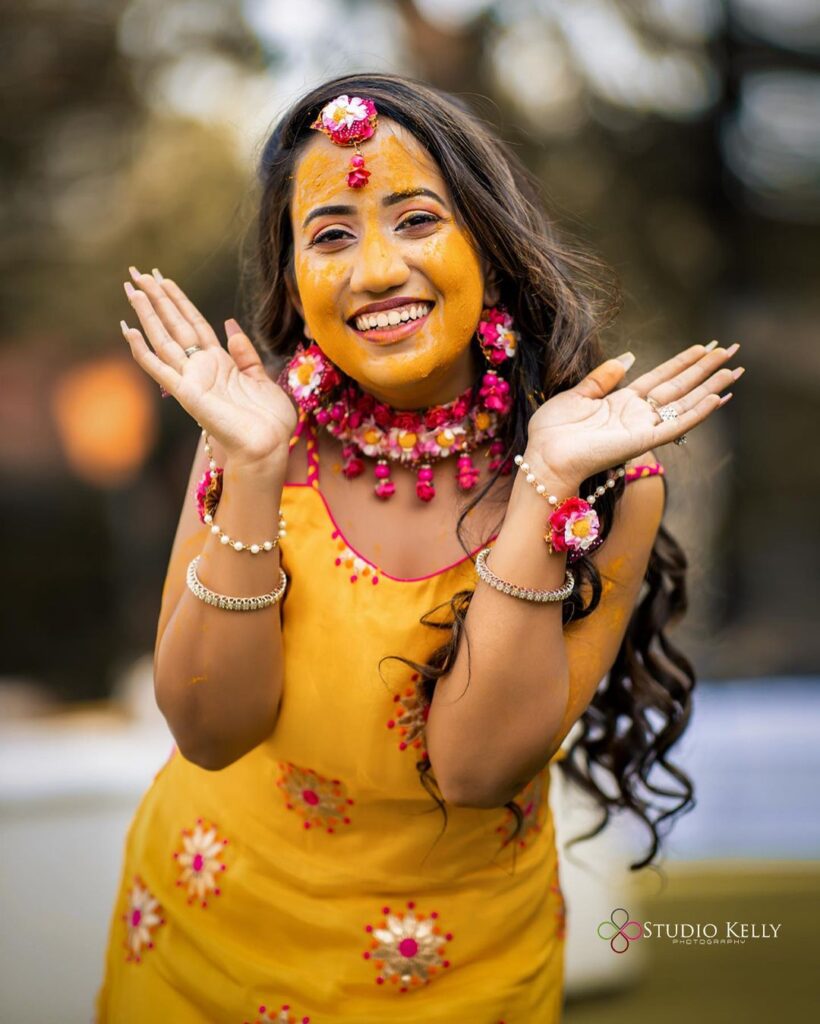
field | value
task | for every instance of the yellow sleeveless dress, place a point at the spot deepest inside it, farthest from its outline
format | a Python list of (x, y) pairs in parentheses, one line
[(312, 880)]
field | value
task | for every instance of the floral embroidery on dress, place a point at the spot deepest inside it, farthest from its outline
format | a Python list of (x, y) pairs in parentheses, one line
[(407, 948), (353, 563), (142, 918), (200, 861), (410, 717), (317, 800), (530, 800), (267, 1015)]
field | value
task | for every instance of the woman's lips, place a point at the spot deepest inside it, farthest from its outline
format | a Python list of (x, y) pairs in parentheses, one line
[(391, 335)]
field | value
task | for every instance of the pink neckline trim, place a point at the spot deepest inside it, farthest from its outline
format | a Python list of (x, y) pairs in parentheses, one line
[(378, 569)]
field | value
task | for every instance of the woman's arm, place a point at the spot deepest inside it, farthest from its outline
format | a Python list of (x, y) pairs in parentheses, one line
[(217, 673), (530, 678), (526, 682)]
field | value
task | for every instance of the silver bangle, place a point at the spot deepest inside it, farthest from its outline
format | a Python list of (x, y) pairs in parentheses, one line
[(233, 604), (524, 593)]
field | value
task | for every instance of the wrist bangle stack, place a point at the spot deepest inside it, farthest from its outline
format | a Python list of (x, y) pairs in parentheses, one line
[(233, 604), (573, 526), (523, 593)]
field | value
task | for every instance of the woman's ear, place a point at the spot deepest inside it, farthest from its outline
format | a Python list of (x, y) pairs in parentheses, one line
[(492, 288), (293, 295)]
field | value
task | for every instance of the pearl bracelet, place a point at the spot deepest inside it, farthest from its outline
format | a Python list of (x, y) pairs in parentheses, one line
[(237, 545), (524, 593), (233, 604), (542, 490)]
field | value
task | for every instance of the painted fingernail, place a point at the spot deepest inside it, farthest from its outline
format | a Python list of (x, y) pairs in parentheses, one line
[(726, 398), (134, 273), (738, 372), (710, 346), (232, 327), (157, 275), (130, 290), (124, 327), (732, 349), (626, 359)]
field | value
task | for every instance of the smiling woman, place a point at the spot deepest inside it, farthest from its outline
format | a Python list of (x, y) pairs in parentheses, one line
[(415, 306)]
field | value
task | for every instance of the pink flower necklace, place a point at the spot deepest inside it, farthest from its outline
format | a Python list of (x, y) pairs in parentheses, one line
[(416, 439)]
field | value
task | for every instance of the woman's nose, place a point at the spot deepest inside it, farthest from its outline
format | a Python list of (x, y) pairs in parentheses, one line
[(379, 265)]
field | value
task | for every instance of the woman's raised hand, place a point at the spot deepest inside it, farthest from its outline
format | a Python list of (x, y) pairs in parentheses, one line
[(593, 427), (227, 391)]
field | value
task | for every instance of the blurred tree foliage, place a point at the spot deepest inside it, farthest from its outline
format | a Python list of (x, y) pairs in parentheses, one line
[(128, 136)]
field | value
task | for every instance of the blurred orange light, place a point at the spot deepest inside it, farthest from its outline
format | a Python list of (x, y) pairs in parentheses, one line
[(106, 420)]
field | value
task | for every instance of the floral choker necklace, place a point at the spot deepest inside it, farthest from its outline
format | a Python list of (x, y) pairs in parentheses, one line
[(416, 439)]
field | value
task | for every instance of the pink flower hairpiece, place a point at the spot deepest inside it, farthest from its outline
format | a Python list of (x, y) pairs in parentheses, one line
[(347, 121)]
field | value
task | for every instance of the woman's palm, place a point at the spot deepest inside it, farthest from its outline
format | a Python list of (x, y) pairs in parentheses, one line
[(227, 391)]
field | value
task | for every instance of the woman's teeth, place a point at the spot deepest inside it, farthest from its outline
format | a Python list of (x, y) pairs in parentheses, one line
[(391, 317)]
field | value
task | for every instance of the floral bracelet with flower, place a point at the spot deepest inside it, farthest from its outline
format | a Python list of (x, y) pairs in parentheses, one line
[(573, 525)]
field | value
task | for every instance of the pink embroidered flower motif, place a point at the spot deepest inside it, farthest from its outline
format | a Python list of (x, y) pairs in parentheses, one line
[(353, 563), (497, 338), (318, 801), (267, 1015), (142, 918), (530, 801), (200, 861), (407, 948), (410, 717), (574, 526)]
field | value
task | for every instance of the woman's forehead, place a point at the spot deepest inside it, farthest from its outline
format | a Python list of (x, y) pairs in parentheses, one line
[(395, 158)]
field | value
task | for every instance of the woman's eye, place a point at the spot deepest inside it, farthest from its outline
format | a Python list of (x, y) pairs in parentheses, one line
[(331, 235), (419, 220)]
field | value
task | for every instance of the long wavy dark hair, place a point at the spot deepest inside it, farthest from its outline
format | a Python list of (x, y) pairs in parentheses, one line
[(561, 297)]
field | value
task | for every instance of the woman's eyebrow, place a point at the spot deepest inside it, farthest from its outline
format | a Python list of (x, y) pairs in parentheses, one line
[(327, 211), (391, 200), (411, 193)]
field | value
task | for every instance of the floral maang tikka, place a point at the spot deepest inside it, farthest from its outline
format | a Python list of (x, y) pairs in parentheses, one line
[(347, 121)]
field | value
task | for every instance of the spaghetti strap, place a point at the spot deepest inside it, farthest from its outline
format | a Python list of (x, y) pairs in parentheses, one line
[(305, 427), (637, 472), (312, 445)]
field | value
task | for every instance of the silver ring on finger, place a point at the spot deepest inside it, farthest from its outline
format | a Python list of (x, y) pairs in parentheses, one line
[(669, 412), (191, 349)]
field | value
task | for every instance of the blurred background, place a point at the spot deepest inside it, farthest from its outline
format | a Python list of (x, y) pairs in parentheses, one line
[(678, 138)]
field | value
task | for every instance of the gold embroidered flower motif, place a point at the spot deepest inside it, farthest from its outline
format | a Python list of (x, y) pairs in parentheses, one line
[(200, 861), (407, 948), (142, 918), (317, 800), (354, 564), (410, 717), (530, 800), (282, 1016)]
